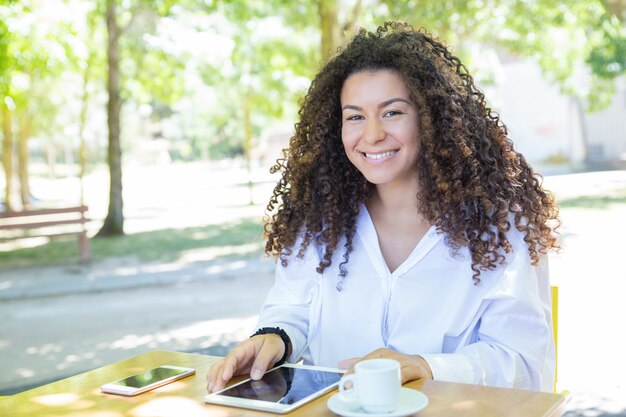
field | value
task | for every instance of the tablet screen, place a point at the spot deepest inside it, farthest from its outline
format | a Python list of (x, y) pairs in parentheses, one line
[(284, 385)]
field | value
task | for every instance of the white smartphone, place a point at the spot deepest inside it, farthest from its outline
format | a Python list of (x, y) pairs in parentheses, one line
[(281, 390), (145, 381)]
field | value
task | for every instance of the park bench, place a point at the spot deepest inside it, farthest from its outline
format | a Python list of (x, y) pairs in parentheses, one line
[(47, 223)]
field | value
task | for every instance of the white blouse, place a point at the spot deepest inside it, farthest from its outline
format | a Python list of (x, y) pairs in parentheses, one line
[(497, 333)]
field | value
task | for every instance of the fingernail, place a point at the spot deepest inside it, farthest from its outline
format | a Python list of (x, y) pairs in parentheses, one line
[(211, 386), (256, 374)]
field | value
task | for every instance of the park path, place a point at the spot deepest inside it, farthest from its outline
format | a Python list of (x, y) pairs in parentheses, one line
[(59, 321)]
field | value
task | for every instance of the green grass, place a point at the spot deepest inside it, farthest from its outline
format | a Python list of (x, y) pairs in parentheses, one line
[(244, 237), (594, 202)]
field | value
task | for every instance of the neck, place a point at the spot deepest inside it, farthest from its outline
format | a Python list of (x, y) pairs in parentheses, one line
[(396, 198)]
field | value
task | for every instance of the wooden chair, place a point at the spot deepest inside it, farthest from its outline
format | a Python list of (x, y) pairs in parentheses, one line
[(555, 326)]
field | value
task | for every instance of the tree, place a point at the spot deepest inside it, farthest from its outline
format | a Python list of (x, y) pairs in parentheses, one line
[(329, 27), (114, 221), (90, 65), (7, 150), (40, 57), (562, 37), (264, 72), (335, 32), (606, 54), (120, 17), (33, 57), (6, 104), (275, 49)]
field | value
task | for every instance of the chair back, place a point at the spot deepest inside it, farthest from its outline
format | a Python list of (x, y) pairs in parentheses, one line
[(555, 327)]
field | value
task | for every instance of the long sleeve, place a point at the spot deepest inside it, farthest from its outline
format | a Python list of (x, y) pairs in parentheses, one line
[(497, 333), (512, 344), (289, 301)]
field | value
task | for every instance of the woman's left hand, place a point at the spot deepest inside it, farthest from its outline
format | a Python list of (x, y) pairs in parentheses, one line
[(412, 366)]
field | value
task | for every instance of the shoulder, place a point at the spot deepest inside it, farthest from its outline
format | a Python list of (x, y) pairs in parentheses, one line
[(517, 274), (299, 255)]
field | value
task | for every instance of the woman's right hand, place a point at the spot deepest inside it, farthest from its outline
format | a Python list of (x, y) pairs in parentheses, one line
[(255, 355)]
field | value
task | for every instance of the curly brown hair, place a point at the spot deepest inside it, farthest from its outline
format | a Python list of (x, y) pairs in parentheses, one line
[(472, 181)]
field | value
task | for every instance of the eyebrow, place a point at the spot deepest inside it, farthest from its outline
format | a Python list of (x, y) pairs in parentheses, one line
[(380, 106)]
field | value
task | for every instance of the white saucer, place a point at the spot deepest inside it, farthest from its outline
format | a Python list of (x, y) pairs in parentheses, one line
[(411, 401)]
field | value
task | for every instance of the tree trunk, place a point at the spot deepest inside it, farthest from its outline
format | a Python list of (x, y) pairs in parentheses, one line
[(583, 128), (22, 159), (617, 8), (82, 122), (247, 143), (330, 28), (7, 154), (51, 158), (114, 221), (349, 29)]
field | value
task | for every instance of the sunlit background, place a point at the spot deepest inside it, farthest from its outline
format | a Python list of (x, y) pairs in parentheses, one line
[(163, 117)]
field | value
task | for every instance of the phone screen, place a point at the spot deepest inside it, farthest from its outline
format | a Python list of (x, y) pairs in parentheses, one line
[(149, 377), (284, 385)]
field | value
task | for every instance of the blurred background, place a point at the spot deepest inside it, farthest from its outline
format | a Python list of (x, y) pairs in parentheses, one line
[(163, 117)]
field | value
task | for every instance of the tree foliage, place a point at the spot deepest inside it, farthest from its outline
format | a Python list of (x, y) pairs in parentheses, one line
[(226, 71), (579, 44), (34, 55), (263, 71)]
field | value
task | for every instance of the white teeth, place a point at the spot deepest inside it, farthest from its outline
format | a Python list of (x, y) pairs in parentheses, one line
[(379, 155)]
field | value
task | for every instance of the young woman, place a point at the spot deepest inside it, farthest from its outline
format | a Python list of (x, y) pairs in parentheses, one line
[(406, 226)]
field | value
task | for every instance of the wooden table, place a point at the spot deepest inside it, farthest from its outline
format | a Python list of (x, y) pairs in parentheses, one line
[(80, 396)]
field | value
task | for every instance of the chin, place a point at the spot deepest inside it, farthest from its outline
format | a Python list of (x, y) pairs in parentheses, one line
[(377, 179)]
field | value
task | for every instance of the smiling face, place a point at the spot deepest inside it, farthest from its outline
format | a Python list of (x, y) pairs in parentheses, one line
[(379, 131)]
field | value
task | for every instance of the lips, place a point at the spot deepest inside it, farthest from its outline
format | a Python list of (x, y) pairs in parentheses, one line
[(381, 155)]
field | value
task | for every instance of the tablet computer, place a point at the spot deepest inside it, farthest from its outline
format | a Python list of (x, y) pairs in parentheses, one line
[(281, 390)]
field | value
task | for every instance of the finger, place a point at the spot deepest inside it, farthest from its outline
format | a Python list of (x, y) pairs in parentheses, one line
[(235, 363), (260, 386), (379, 353), (210, 377), (348, 363), (408, 373), (415, 367), (238, 360), (270, 352), (214, 374)]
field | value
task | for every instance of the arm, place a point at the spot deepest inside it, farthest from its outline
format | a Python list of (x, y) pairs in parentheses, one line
[(512, 344), (289, 300), (508, 340), (287, 307)]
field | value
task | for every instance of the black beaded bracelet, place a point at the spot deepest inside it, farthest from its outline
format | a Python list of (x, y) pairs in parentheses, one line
[(283, 335)]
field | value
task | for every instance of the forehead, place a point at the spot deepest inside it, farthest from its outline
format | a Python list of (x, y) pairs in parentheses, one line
[(377, 86)]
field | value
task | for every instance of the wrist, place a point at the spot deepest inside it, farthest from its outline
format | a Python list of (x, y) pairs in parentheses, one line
[(423, 368), (283, 336)]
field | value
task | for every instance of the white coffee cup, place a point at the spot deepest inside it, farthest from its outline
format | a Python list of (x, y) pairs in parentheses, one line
[(375, 385)]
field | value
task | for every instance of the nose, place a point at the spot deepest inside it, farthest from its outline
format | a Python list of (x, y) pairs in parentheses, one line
[(374, 131)]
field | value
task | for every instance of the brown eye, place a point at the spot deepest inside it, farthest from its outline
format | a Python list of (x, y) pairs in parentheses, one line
[(392, 113)]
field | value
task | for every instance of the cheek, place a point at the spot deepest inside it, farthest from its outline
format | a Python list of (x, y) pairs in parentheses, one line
[(346, 139), (350, 136), (349, 143), (410, 136)]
